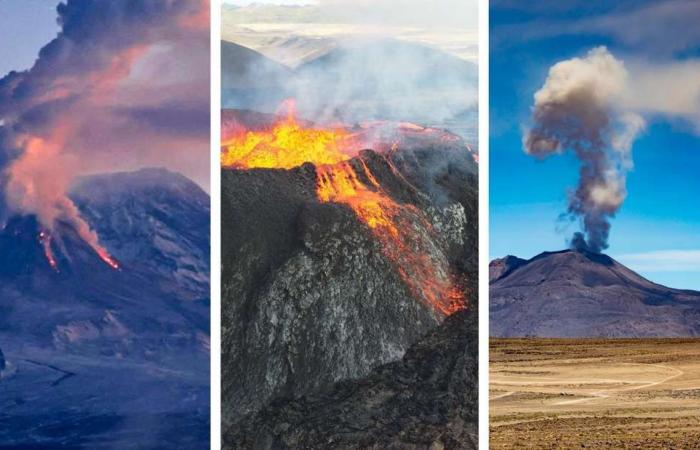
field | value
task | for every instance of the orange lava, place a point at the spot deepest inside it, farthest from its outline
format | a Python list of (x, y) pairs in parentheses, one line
[(402, 230), (45, 240), (286, 146), (107, 258)]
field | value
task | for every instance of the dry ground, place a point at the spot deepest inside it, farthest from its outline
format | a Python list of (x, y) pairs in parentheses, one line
[(595, 393)]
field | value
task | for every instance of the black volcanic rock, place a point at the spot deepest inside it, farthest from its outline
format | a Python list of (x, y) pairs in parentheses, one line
[(309, 298), (581, 294), (107, 358), (427, 400)]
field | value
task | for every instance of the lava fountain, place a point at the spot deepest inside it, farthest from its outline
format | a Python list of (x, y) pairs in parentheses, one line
[(399, 228)]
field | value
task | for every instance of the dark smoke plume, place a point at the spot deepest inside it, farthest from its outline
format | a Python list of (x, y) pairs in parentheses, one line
[(577, 110), (64, 109)]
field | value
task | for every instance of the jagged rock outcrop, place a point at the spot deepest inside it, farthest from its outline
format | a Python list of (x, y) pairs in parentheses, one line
[(427, 400), (501, 267), (582, 294)]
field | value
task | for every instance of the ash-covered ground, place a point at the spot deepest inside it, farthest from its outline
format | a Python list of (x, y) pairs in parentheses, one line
[(313, 306)]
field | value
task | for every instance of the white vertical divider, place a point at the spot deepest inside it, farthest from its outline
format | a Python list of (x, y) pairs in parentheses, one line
[(483, 224), (215, 224)]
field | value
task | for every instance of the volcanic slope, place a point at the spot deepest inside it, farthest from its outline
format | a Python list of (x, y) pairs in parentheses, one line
[(311, 296), (105, 358), (581, 294), (427, 400)]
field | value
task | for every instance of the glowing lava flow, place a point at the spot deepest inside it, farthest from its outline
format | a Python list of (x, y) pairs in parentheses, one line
[(286, 146), (402, 229), (107, 258), (45, 240)]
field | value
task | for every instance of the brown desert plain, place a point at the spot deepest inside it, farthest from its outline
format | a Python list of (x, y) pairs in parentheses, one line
[(595, 393)]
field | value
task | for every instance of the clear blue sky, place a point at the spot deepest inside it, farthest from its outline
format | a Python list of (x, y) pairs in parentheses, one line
[(661, 212), (25, 27)]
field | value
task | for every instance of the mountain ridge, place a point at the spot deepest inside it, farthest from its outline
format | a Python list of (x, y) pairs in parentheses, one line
[(582, 294), (98, 352)]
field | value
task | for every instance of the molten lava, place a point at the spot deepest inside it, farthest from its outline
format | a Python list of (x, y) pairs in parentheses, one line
[(45, 241), (402, 230), (286, 146), (107, 258)]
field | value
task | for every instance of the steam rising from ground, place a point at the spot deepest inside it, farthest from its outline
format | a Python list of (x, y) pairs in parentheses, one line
[(579, 109), (362, 79)]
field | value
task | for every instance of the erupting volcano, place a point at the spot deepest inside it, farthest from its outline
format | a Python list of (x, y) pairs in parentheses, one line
[(35, 187), (344, 178)]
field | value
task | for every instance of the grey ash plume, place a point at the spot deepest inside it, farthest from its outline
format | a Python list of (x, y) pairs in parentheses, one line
[(578, 110)]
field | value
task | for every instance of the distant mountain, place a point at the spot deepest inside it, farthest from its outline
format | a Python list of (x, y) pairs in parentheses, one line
[(100, 357), (249, 79), (358, 80), (581, 294), (387, 79)]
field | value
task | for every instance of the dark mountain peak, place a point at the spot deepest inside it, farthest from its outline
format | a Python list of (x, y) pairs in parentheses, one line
[(587, 268), (117, 343), (501, 267), (152, 221), (578, 255), (577, 293), (143, 182)]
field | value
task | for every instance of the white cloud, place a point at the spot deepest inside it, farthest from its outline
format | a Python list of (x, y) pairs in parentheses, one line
[(662, 261), (659, 27), (453, 13), (669, 89)]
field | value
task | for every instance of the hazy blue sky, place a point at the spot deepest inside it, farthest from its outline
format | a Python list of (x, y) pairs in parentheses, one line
[(25, 27), (657, 230)]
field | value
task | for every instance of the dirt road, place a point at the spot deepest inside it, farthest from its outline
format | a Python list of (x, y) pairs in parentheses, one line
[(593, 393)]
